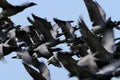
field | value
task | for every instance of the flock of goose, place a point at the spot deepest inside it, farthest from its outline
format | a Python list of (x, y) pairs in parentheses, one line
[(97, 51)]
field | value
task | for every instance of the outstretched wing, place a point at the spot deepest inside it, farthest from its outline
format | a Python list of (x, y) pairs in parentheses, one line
[(96, 13)]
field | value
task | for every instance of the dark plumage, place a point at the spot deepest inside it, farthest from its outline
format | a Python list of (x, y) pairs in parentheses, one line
[(23, 36), (67, 28), (44, 27), (93, 42), (33, 34), (43, 69), (109, 69), (35, 74), (6, 48), (3, 36), (70, 64), (101, 25), (10, 10)]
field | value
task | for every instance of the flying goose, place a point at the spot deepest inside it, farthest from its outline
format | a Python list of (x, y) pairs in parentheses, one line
[(93, 42), (71, 65), (67, 28), (10, 10), (25, 55), (45, 51), (44, 27), (43, 69), (33, 73), (6, 48), (32, 33), (101, 25), (37, 29), (97, 16)]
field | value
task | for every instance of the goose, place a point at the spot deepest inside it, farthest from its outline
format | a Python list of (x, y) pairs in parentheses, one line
[(6, 48), (43, 69), (67, 28), (25, 55), (31, 31), (93, 42), (45, 51), (10, 10), (37, 29), (44, 27), (33, 73), (71, 65), (98, 17), (101, 25)]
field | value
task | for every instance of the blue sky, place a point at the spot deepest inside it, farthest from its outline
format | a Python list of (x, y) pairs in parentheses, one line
[(49, 9)]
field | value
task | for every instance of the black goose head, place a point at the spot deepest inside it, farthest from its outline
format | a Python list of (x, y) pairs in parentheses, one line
[(31, 4)]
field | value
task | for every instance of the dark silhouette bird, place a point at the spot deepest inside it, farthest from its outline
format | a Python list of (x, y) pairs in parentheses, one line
[(43, 69), (10, 10), (32, 33), (6, 48), (26, 56), (35, 25), (67, 28), (98, 17), (44, 27), (71, 65), (33, 73), (101, 25), (93, 42)]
